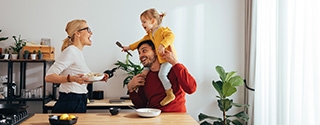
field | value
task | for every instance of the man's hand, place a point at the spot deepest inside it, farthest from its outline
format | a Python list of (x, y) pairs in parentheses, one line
[(135, 82), (170, 57)]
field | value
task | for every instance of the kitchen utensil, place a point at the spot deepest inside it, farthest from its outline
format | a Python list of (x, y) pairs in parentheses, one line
[(55, 120), (92, 77), (110, 72), (148, 112), (114, 110), (12, 108), (120, 45), (132, 107)]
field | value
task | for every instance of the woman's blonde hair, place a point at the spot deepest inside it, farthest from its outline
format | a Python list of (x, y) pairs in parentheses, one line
[(72, 27), (152, 13)]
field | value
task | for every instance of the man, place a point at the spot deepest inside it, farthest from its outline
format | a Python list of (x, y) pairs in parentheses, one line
[(147, 91)]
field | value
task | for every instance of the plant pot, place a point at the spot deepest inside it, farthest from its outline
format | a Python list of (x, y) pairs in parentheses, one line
[(25, 56), (33, 56), (6, 56), (40, 56), (14, 56)]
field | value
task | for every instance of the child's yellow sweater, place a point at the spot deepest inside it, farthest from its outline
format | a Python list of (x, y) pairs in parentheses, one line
[(163, 36)]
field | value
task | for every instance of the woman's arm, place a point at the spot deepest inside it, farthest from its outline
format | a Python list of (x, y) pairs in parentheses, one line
[(55, 78)]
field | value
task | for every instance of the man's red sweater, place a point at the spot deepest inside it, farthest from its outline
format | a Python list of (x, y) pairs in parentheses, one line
[(152, 93)]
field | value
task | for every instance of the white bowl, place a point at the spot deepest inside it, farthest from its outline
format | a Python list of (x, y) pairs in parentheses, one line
[(93, 76), (148, 112)]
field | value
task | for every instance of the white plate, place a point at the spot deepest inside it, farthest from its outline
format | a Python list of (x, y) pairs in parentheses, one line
[(93, 76), (148, 112)]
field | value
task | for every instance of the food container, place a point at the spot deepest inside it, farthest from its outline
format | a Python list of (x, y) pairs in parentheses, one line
[(54, 120), (114, 110), (148, 112)]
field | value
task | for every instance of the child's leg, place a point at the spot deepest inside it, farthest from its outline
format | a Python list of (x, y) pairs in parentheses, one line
[(164, 70)]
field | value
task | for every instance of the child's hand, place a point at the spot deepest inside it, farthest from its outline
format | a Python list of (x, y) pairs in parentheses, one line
[(125, 48), (161, 50), (170, 57)]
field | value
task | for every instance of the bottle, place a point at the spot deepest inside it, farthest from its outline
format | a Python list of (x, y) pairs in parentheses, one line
[(110, 72)]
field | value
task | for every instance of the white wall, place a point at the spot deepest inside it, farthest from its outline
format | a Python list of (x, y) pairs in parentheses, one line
[(208, 33)]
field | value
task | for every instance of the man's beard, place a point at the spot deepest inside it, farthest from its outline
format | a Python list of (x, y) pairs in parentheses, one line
[(151, 60)]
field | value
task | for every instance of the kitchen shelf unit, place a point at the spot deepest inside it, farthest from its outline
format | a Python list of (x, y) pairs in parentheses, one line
[(13, 99)]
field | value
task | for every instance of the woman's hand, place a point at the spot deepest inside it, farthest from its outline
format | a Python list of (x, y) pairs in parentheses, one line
[(105, 78), (79, 79), (135, 82)]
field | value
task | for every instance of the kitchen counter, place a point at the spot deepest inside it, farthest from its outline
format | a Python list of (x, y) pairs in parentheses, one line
[(97, 104), (123, 118)]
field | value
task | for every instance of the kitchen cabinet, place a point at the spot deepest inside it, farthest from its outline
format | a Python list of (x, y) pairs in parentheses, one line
[(16, 98)]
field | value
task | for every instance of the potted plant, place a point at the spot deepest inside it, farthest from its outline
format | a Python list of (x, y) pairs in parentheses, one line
[(34, 55), (226, 87), (6, 53), (40, 55), (26, 54), (131, 68), (18, 45)]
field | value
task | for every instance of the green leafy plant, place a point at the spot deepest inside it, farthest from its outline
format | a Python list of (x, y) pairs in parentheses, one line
[(40, 55), (34, 52), (226, 87), (3, 38), (39, 51), (6, 50), (18, 45), (131, 68), (26, 54)]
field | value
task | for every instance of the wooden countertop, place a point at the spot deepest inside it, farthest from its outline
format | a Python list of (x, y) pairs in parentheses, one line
[(103, 102), (123, 118)]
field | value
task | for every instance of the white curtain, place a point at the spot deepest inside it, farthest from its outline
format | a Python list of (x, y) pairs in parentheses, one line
[(287, 62)]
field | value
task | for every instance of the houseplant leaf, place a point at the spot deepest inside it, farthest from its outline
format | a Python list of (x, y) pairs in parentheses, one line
[(236, 122), (240, 115), (229, 75), (236, 81), (240, 105), (225, 104), (228, 89), (218, 86), (221, 72), (202, 116)]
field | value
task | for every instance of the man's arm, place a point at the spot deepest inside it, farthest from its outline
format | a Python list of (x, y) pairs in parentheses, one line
[(138, 99), (184, 78)]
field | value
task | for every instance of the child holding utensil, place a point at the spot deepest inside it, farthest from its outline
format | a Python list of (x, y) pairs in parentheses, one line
[(162, 38)]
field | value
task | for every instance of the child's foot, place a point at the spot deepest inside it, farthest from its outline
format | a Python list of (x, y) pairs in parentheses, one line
[(170, 97)]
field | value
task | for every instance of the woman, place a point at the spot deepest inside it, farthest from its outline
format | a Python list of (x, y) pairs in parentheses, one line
[(69, 68)]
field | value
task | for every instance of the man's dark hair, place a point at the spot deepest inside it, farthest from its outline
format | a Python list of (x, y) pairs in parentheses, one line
[(149, 42)]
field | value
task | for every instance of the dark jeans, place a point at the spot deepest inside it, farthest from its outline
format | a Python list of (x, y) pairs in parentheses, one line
[(70, 103)]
